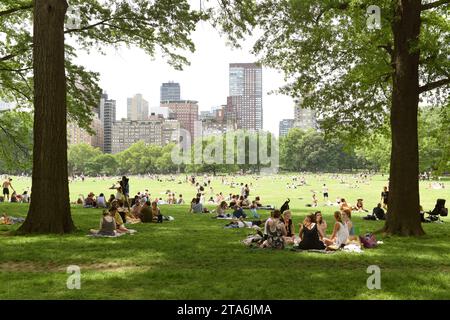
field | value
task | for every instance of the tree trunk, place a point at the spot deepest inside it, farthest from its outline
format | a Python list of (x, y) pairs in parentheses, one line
[(49, 210), (403, 204)]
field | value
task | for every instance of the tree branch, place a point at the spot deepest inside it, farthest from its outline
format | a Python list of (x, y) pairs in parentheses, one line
[(13, 10), (433, 5), (433, 85)]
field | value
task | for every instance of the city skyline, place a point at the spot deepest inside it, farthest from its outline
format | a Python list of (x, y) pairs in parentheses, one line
[(126, 72)]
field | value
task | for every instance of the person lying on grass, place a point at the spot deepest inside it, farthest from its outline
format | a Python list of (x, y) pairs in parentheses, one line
[(340, 233), (5, 219), (275, 232), (309, 234), (289, 226)]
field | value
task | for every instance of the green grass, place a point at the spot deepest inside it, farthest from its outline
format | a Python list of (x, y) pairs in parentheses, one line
[(194, 257)]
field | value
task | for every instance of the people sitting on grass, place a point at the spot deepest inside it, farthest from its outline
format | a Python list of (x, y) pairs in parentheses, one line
[(146, 213), (221, 209), (14, 197), (25, 197), (238, 212), (286, 218), (196, 206), (120, 224), (108, 225), (245, 203), (254, 210), (101, 201), (340, 233), (321, 224), (275, 232), (310, 236), (258, 201), (347, 219), (89, 202), (156, 213), (343, 205), (377, 213), (180, 199), (110, 200), (359, 206)]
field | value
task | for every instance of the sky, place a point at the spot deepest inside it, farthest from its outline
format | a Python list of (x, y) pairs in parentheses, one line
[(125, 72)]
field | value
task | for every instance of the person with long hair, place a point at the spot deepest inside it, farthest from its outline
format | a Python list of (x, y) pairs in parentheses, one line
[(289, 226), (340, 232), (275, 232), (321, 224), (309, 235)]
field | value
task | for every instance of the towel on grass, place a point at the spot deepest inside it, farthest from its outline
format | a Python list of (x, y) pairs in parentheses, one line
[(116, 235)]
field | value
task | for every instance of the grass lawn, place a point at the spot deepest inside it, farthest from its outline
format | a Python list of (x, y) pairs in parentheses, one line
[(194, 257)]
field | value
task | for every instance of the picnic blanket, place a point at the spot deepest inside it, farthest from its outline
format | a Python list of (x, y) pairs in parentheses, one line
[(313, 250), (116, 235)]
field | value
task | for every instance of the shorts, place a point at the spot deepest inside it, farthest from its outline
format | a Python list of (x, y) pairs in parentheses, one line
[(325, 195), (6, 191)]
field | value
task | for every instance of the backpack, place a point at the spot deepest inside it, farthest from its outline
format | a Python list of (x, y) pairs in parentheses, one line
[(368, 240)]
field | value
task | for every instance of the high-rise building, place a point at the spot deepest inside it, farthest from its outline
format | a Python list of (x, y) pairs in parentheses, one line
[(107, 118), (170, 91), (170, 131), (185, 111), (137, 108), (127, 132), (245, 95), (77, 135), (304, 118), (285, 126)]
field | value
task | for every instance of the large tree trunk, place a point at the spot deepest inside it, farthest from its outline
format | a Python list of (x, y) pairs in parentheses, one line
[(49, 210), (403, 205)]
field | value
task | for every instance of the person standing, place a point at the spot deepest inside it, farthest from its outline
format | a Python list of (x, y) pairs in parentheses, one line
[(124, 183), (385, 197), (6, 185), (325, 192)]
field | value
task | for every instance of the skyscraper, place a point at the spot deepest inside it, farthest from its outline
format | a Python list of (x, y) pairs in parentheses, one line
[(137, 108), (304, 118), (170, 91), (285, 126), (185, 111), (245, 95), (107, 117)]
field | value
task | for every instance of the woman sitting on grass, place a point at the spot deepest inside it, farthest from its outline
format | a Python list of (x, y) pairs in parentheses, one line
[(120, 226), (344, 205), (347, 219), (156, 213), (340, 233), (289, 226), (107, 225), (196, 206), (359, 206), (258, 201), (254, 210), (221, 208), (275, 232), (101, 201), (321, 224), (310, 235)]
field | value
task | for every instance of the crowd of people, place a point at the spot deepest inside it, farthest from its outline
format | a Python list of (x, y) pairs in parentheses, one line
[(13, 196)]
